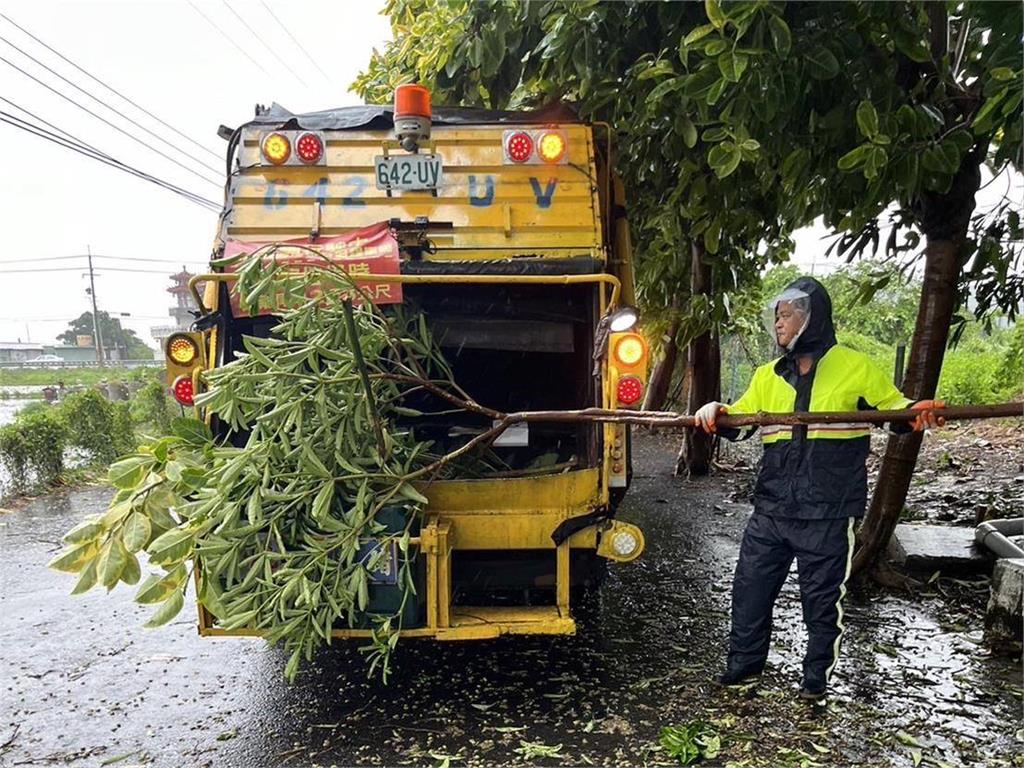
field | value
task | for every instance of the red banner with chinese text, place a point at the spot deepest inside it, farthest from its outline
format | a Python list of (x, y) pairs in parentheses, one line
[(369, 251)]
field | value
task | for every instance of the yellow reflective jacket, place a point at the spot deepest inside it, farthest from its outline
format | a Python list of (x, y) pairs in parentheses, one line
[(816, 471)]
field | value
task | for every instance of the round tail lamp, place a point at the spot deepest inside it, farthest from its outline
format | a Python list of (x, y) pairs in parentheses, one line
[(519, 147), (309, 148), (630, 390), (276, 148), (182, 389)]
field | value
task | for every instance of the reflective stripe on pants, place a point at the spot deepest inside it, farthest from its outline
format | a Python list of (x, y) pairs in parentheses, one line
[(823, 550)]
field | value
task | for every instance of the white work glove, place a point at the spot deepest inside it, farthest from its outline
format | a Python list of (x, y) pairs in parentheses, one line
[(707, 414)]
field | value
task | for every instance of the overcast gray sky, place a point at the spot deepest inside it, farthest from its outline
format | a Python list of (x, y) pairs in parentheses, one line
[(177, 59), (170, 60)]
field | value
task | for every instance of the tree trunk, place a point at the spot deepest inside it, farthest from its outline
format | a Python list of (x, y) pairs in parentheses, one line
[(944, 219), (703, 374), (661, 376)]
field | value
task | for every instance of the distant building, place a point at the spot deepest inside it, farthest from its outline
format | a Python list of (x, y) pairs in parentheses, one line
[(182, 310), (19, 352)]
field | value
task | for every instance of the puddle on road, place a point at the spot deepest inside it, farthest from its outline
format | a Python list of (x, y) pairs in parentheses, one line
[(93, 684)]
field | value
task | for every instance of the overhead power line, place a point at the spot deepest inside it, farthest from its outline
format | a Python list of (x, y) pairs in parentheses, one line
[(84, 270), (266, 45), (28, 127), (96, 154), (110, 88), (225, 35), (90, 152), (107, 122), (116, 111), (297, 43), (98, 256)]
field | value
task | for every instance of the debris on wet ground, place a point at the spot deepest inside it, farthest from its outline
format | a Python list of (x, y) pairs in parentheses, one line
[(930, 548), (916, 684)]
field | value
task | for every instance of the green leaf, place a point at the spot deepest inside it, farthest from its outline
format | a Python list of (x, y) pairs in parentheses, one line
[(73, 560), (687, 130), (867, 119), (713, 9), (657, 70), (171, 546), (409, 492), (854, 158), (781, 38), (86, 579), (877, 157), (821, 63), (113, 559), (712, 235), (724, 158), (167, 611), (715, 93), (905, 171), (732, 66), (911, 45), (192, 431), (698, 33), (322, 502), (128, 473), (715, 47), (157, 587), (665, 87), (905, 738), (83, 532), (751, 145), (714, 134), (136, 532), (1002, 73), (982, 121), (131, 573)]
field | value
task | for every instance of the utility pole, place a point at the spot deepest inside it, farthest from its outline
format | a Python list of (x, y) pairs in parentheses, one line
[(95, 314)]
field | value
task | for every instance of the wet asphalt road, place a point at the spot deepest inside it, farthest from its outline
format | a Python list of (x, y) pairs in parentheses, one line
[(86, 685)]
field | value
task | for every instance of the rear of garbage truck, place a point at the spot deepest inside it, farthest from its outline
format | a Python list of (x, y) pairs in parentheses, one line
[(512, 242)]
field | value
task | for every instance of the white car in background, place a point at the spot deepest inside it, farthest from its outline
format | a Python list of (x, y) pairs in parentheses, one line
[(45, 359)]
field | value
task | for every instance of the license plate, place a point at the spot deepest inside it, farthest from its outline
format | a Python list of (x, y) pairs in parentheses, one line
[(408, 172)]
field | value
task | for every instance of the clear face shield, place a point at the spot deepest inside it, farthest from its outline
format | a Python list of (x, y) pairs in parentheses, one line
[(786, 317)]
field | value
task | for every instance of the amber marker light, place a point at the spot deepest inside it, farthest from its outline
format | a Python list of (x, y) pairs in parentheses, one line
[(412, 100), (630, 350), (551, 147), (181, 349), (277, 149)]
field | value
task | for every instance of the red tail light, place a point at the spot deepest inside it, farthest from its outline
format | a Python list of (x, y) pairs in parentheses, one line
[(630, 390), (182, 389), (309, 148), (519, 147)]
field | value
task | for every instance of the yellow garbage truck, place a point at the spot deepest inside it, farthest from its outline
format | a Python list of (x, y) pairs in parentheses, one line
[(513, 242)]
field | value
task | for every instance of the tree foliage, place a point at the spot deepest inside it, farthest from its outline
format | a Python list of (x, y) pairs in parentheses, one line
[(739, 121), (692, 173), (114, 335)]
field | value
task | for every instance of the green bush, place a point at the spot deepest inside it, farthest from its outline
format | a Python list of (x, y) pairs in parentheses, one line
[(33, 447), (122, 429), (1010, 374), (93, 424), (969, 377), (152, 408)]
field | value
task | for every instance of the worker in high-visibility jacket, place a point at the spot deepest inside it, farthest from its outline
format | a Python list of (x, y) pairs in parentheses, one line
[(811, 485)]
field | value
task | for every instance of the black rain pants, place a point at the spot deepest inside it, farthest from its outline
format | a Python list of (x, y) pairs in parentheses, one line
[(823, 550)]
